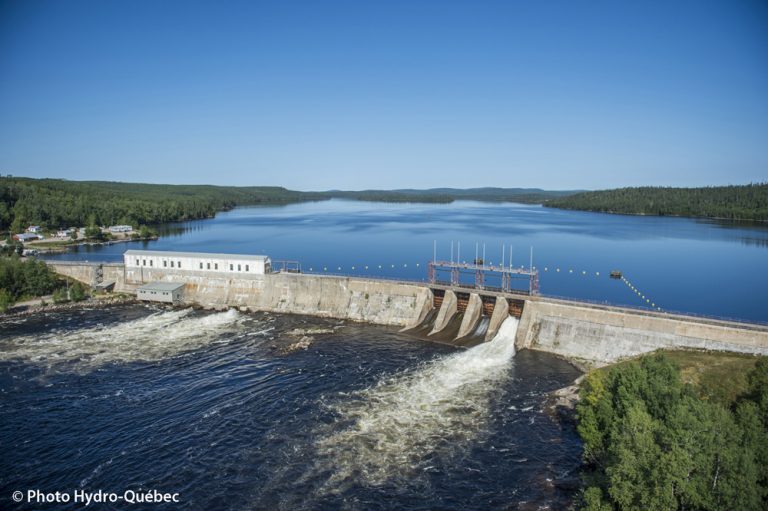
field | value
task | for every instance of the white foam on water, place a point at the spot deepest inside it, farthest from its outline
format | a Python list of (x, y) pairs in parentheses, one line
[(392, 428), (155, 337)]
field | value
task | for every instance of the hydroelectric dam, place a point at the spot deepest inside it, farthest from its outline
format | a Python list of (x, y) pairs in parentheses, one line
[(444, 312)]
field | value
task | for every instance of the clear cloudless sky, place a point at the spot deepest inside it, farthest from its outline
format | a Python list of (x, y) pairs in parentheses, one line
[(386, 94)]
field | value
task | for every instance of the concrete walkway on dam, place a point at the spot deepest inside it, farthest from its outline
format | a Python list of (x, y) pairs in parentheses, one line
[(591, 333)]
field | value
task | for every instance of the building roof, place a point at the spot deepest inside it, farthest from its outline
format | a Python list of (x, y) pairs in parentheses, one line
[(162, 286), (164, 253)]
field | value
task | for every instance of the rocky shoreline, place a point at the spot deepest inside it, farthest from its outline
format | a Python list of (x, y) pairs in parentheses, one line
[(100, 301)]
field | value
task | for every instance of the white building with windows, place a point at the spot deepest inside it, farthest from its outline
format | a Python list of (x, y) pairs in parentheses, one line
[(236, 264)]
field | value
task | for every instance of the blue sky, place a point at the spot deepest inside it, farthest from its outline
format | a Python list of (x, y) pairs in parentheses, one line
[(386, 94)]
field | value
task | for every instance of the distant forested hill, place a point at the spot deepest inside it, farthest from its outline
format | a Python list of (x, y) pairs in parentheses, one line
[(444, 195), (747, 202), (55, 203)]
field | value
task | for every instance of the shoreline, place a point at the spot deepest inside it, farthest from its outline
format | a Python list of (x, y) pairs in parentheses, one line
[(62, 249), (99, 301), (650, 215)]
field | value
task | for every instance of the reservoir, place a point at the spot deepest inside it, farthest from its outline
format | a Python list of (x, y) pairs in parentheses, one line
[(686, 265)]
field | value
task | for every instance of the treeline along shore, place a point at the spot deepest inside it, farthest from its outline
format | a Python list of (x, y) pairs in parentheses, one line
[(55, 203), (58, 203), (746, 202)]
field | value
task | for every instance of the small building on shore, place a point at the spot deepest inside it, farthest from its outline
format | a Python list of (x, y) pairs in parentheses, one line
[(166, 292), (26, 236), (120, 228), (183, 262)]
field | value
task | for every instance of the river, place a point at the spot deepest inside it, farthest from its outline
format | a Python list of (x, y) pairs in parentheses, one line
[(226, 410)]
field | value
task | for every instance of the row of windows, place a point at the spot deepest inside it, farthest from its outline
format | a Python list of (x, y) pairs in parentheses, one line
[(165, 263), (208, 265)]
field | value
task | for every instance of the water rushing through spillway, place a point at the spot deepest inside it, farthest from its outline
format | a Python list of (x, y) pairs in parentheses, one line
[(393, 428), (224, 409)]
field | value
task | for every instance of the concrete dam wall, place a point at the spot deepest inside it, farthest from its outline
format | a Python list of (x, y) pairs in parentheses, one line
[(374, 301), (594, 334), (601, 335)]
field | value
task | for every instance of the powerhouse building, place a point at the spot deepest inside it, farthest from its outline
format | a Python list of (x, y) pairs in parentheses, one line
[(197, 261)]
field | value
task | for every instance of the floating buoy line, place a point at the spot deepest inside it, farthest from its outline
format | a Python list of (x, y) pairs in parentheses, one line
[(570, 271)]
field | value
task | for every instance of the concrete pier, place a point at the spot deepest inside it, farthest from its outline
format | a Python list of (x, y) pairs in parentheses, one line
[(500, 313), (447, 311), (471, 315)]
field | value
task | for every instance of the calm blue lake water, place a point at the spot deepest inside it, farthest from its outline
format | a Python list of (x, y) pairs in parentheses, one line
[(680, 264)]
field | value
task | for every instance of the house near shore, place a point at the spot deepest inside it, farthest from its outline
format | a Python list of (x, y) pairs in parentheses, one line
[(27, 236), (64, 233), (36, 229), (120, 228)]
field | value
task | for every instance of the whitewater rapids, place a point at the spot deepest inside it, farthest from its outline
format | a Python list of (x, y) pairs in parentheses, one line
[(155, 337), (393, 428)]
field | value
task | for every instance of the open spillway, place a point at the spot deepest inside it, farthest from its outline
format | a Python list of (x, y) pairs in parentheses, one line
[(396, 427)]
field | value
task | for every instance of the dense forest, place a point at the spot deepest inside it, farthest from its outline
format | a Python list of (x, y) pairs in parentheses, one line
[(747, 202), (54, 203), (652, 442), (21, 278)]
